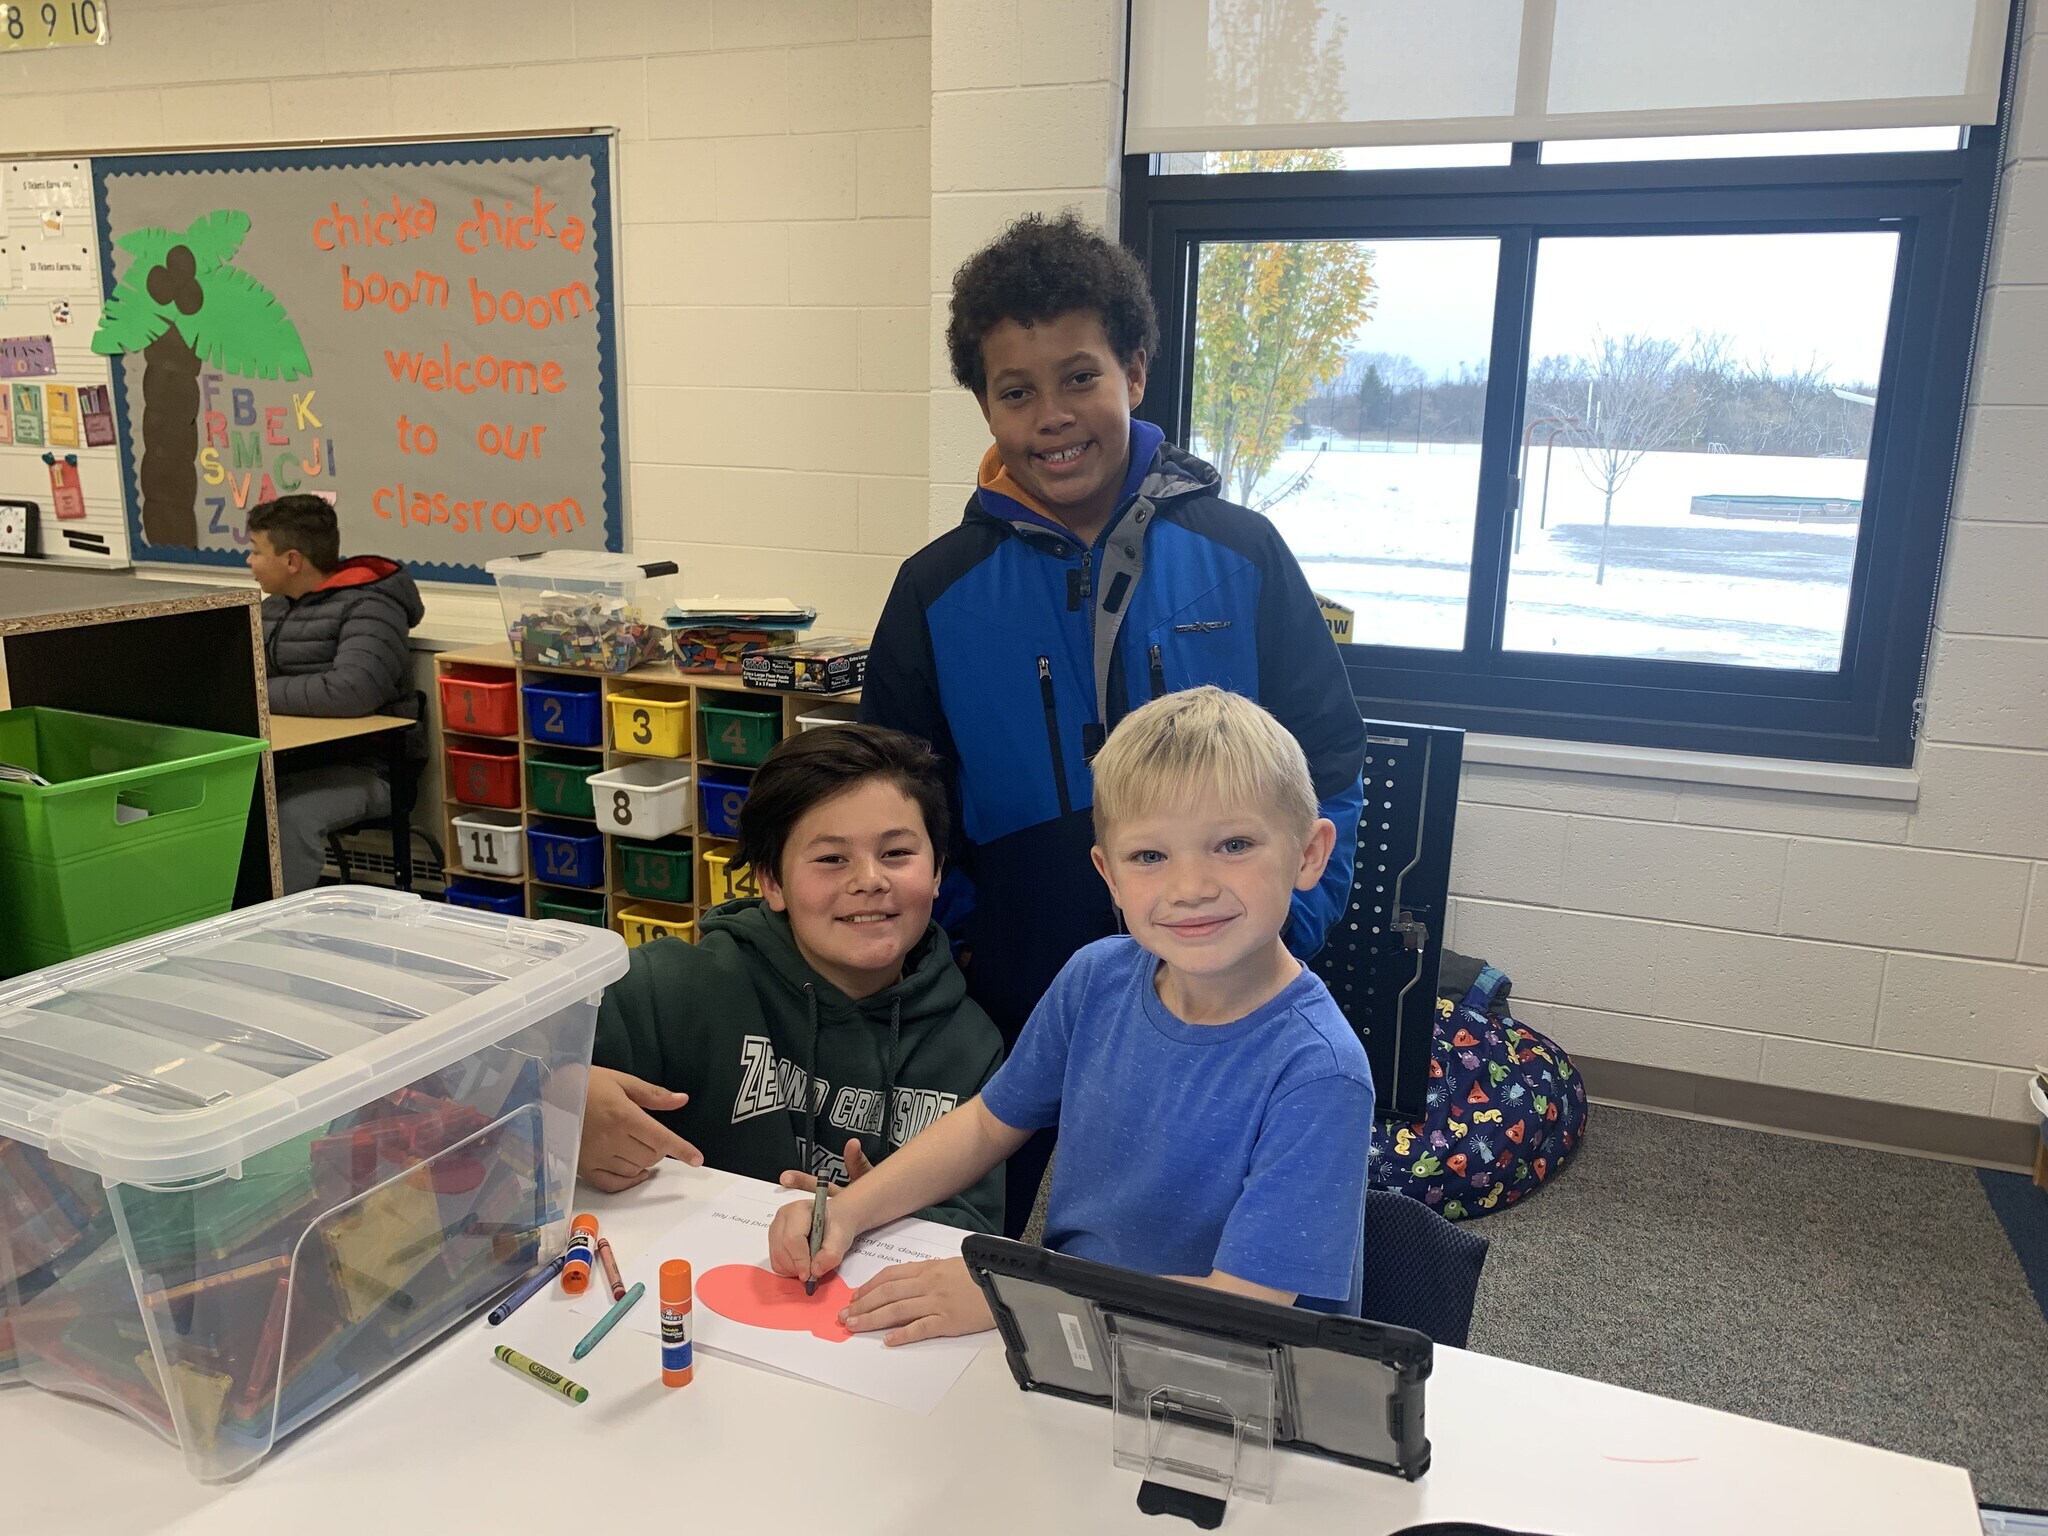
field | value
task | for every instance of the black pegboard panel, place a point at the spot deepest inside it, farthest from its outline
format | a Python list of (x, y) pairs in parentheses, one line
[(1399, 896)]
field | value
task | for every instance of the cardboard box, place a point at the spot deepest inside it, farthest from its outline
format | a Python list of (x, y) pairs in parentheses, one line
[(834, 665)]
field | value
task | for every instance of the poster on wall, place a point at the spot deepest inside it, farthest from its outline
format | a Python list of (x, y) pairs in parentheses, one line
[(424, 334)]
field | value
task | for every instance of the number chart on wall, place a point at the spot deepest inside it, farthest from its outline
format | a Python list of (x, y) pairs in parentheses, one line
[(425, 335)]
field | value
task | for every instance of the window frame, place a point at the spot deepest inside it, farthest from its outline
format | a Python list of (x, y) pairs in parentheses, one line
[(1940, 203)]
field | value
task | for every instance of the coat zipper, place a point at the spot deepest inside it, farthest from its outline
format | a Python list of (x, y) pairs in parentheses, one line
[(1158, 674), (1052, 734)]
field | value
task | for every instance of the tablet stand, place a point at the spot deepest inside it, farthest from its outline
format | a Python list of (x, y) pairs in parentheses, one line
[(1194, 1416)]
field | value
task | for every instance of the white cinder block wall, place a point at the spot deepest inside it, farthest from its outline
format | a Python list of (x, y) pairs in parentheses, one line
[(799, 180), (773, 199)]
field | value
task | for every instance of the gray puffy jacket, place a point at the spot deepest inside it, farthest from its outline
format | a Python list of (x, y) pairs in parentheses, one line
[(341, 649)]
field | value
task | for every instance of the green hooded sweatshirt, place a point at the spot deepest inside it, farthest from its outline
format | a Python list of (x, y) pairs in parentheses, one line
[(741, 1023)]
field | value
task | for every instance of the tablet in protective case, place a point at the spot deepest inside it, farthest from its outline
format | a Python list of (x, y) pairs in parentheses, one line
[(1347, 1389)]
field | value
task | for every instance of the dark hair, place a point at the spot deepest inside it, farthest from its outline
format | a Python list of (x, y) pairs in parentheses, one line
[(304, 523), (1039, 269), (805, 770)]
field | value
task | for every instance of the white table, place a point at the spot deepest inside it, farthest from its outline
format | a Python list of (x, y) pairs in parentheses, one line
[(453, 1442)]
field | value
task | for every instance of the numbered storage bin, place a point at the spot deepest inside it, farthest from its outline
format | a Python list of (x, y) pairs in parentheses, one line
[(642, 925), (827, 714), (560, 786), (565, 712), (484, 773), (650, 799), (723, 793), (740, 732), (483, 896), (565, 854), (138, 830), (658, 871), (723, 881), (489, 843), (480, 701), (569, 907), (648, 726), (277, 1153)]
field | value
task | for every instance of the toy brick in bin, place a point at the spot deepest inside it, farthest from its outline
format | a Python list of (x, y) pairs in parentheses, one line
[(584, 610), (248, 1167), (835, 665)]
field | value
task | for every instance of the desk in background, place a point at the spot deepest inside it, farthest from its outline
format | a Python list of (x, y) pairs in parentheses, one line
[(164, 652), (457, 1443), (308, 734)]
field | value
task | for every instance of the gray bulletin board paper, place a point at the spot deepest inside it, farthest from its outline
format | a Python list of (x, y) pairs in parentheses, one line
[(424, 334)]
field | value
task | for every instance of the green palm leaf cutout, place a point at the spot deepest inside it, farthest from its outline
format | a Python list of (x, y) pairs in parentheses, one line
[(242, 329), (215, 237), (147, 246), (132, 319)]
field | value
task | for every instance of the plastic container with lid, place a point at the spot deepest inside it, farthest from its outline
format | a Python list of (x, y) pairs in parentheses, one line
[(585, 610), (249, 1166)]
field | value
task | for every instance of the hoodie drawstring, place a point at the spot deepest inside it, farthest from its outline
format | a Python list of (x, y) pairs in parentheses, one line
[(811, 1084), (889, 1068), (889, 1075)]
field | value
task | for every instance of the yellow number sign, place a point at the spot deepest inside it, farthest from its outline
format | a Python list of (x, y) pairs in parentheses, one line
[(52, 23)]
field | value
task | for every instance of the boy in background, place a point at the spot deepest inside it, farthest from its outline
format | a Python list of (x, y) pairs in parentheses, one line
[(1214, 1106), (334, 643), (1096, 567), (820, 1026)]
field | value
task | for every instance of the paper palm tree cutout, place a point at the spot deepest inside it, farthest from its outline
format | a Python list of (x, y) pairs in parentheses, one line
[(180, 305)]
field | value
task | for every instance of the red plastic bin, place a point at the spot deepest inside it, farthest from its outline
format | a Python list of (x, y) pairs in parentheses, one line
[(480, 701), (485, 773)]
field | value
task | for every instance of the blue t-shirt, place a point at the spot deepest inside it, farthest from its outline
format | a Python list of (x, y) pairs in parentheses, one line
[(1186, 1148)]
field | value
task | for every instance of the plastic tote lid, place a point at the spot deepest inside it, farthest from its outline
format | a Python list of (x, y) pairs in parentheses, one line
[(576, 568), (177, 1056)]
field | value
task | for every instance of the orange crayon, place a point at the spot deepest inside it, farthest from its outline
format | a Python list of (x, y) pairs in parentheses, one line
[(676, 1366)]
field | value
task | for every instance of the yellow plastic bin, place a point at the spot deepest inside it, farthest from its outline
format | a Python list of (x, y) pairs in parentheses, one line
[(721, 881), (647, 726), (644, 924)]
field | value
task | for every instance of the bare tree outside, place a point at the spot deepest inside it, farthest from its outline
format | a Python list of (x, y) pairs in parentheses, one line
[(1641, 395)]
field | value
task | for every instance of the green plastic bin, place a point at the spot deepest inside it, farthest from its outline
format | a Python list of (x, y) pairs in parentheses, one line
[(658, 871), (738, 733), (139, 830), (570, 907), (561, 787)]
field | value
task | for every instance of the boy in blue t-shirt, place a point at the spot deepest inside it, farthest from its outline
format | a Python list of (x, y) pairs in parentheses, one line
[(1214, 1107)]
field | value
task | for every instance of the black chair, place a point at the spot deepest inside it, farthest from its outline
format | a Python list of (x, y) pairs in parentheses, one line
[(404, 771), (1421, 1270)]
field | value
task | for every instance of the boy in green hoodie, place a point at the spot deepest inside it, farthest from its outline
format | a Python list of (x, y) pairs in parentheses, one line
[(819, 1026)]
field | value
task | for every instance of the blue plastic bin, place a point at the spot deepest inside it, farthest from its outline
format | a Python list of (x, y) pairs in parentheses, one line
[(564, 855), (508, 901), (567, 711), (723, 792)]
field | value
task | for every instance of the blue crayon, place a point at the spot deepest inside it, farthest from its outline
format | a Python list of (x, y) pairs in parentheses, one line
[(532, 1288)]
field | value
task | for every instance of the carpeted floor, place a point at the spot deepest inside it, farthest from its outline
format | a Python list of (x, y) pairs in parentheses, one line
[(1855, 1293)]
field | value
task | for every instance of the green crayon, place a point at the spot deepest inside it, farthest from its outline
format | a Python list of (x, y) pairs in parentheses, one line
[(554, 1381)]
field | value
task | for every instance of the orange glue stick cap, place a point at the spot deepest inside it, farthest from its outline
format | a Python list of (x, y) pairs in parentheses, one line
[(582, 1252)]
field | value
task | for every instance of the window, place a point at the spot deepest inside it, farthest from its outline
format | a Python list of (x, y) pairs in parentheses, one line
[(1597, 446)]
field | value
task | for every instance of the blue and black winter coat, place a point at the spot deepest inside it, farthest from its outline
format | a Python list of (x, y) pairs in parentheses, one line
[(1014, 650)]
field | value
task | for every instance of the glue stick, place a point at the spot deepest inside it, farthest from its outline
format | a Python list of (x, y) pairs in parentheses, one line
[(675, 1323), (576, 1273)]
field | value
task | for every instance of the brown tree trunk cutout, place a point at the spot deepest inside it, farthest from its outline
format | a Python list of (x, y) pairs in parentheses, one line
[(170, 442)]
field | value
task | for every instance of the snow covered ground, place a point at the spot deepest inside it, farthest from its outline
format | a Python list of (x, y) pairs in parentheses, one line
[(1390, 535)]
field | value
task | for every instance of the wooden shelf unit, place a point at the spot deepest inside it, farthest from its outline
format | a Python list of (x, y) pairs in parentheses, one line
[(697, 688)]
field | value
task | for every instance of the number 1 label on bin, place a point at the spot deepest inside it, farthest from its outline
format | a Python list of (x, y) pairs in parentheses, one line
[(483, 848)]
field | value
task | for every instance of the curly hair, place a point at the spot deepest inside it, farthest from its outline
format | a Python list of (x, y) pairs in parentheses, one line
[(1039, 269)]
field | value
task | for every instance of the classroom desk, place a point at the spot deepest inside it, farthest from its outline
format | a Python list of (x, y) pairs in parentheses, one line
[(452, 1441), (310, 733), (171, 653)]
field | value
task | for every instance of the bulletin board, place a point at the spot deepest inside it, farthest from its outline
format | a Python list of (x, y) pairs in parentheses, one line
[(57, 437), (425, 334)]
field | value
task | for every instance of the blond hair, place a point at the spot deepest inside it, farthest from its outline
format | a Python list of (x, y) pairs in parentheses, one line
[(1164, 755)]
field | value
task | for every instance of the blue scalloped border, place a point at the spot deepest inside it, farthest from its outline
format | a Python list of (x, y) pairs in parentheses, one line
[(595, 148)]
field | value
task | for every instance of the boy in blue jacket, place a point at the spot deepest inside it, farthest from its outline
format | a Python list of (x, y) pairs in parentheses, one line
[(1096, 567)]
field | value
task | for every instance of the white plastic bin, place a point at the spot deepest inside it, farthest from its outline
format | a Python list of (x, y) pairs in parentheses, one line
[(249, 1166), (643, 799), (491, 843), (827, 714)]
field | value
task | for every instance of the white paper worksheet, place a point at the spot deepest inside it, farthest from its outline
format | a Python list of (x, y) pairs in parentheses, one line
[(743, 1310)]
